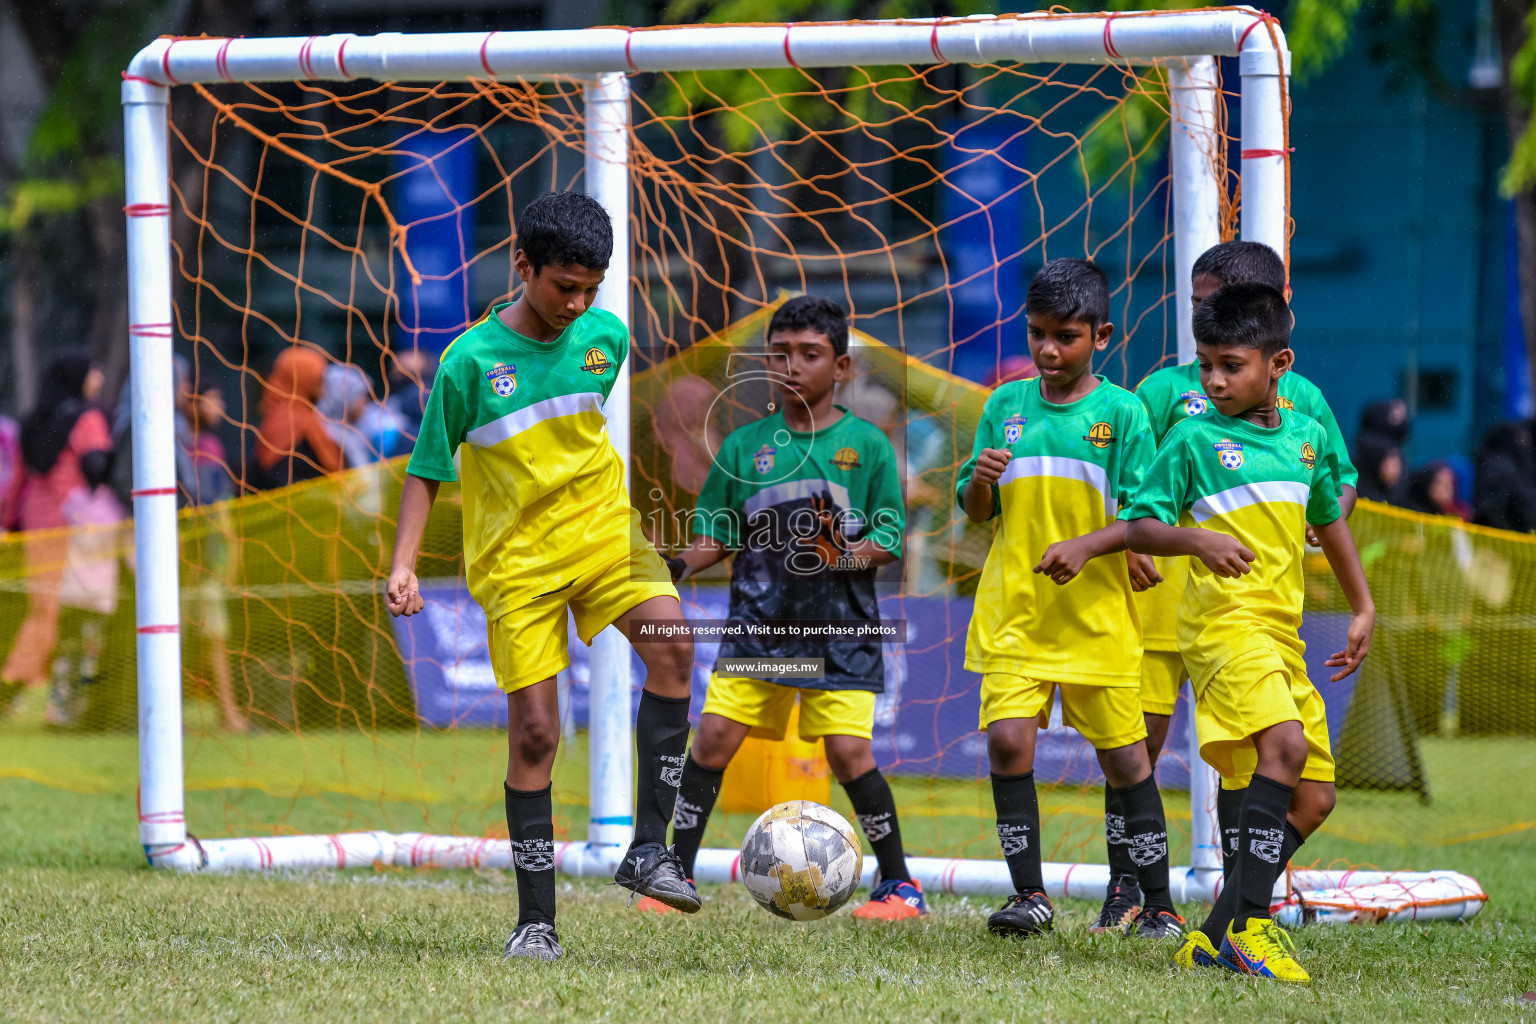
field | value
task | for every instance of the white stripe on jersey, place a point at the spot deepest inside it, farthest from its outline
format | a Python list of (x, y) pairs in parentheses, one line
[(791, 490), (1091, 473), (1284, 492), (498, 430)]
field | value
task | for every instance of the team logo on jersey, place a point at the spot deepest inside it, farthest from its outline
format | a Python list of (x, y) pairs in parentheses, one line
[(1100, 435), (1284, 403), (503, 378), (1230, 453), (1308, 454), (1195, 403), (596, 361), (762, 459), (846, 459), (1013, 428)]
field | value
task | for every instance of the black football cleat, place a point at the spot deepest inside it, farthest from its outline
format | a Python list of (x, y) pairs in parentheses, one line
[(1122, 901), (1028, 913), (654, 870), (533, 940), (1156, 923)]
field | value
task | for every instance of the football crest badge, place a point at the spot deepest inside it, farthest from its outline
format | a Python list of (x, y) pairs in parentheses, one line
[(595, 361), (1284, 403), (503, 378), (1308, 454), (1230, 453), (1195, 403), (762, 459), (1100, 435), (1013, 429), (846, 459)]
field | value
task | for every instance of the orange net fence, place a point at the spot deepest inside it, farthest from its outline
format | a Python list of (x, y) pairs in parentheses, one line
[(365, 225)]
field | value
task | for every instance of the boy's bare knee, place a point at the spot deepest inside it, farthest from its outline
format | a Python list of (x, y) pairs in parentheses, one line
[(535, 740), (669, 667), (850, 758)]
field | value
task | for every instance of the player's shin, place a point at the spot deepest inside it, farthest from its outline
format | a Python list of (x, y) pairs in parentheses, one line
[(1146, 841), (875, 807), (1018, 828), (531, 827), (1229, 807), (1263, 834), (661, 740), (695, 800)]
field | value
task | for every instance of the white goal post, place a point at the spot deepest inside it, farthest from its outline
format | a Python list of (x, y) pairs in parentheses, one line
[(603, 58)]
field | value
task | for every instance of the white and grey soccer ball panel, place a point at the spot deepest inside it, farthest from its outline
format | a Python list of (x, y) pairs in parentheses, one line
[(801, 860)]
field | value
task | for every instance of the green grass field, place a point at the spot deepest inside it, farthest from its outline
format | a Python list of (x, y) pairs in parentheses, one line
[(86, 931)]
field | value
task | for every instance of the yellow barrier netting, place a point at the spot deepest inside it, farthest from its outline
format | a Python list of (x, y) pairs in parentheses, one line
[(876, 187)]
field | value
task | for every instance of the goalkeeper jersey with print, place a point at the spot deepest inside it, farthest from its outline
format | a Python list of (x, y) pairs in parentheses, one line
[(1262, 486), (1072, 467), (787, 503), (542, 487), (1172, 395)]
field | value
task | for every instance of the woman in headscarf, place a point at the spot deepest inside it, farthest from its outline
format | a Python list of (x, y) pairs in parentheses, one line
[(292, 443), (66, 448), (1432, 490), (1504, 478)]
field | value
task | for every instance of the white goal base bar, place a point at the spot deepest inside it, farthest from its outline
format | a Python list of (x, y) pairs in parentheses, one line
[(1324, 896)]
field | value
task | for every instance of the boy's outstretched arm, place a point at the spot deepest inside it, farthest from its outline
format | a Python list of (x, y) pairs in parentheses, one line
[(403, 595), (1064, 559), (1338, 545), (1222, 553)]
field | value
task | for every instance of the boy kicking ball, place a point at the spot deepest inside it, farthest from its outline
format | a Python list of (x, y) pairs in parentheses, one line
[(548, 526), (1254, 476), (1055, 457), (809, 502)]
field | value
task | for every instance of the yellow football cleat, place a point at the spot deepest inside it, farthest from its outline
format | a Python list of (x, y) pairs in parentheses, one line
[(1197, 951), (1263, 948)]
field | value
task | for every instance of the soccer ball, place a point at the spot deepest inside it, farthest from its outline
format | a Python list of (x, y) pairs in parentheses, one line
[(801, 860)]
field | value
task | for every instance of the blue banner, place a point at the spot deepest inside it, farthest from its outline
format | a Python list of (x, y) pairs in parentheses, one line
[(925, 722), (431, 200), (982, 212)]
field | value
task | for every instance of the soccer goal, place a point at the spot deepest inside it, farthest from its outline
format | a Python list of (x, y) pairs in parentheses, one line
[(356, 196)]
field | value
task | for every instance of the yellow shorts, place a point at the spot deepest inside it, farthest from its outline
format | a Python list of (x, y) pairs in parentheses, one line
[(765, 708), (1161, 674), (1249, 694), (1107, 716), (530, 644)]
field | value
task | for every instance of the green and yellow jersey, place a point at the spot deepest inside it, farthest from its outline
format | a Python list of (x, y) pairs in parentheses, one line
[(543, 488), (1072, 468), (1172, 395), (1261, 486), (788, 503)]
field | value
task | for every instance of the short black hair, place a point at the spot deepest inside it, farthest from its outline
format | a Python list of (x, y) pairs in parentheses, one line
[(1246, 315), (1241, 262), (812, 313), (1070, 289), (564, 228)]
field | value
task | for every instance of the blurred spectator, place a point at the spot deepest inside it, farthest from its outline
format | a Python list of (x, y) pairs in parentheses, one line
[(1432, 490), (410, 382), (66, 446), (291, 442), (11, 467), (1384, 428), (343, 396), (1014, 367), (1504, 478)]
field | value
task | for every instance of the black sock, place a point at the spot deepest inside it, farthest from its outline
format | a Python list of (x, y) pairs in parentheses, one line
[(875, 807), (531, 827), (1121, 867), (695, 799), (1018, 828), (1258, 859), (1146, 837), (1229, 805), (661, 740)]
